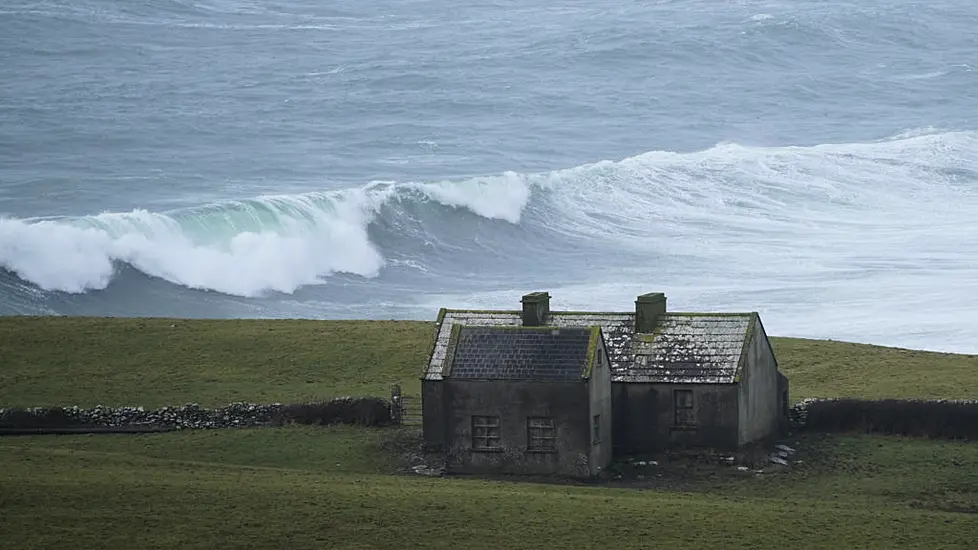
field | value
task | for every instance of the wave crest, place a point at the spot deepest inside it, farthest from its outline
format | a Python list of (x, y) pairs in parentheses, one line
[(246, 248), (657, 201)]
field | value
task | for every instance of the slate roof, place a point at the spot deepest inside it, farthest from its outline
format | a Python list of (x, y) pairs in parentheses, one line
[(690, 348), (686, 348), (616, 328), (504, 353)]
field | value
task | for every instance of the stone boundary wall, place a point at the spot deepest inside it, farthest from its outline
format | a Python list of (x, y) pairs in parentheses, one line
[(938, 418), (372, 411)]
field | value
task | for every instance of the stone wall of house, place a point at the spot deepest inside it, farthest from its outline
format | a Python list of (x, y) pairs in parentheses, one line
[(645, 417), (600, 404), (513, 402), (433, 415), (760, 397)]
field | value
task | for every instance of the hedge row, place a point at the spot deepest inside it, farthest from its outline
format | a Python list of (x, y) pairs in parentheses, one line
[(935, 418), (370, 411)]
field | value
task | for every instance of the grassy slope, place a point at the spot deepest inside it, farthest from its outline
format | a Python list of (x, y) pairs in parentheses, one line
[(329, 487), (207, 490), (818, 368), (153, 362)]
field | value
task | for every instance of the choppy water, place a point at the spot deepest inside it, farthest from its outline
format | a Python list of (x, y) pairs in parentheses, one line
[(814, 161)]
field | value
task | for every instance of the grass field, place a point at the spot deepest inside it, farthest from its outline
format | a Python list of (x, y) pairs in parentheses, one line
[(155, 362), (304, 487)]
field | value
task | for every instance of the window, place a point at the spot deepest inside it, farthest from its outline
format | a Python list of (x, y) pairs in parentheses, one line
[(683, 400), (596, 429), (784, 402), (541, 434), (485, 433)]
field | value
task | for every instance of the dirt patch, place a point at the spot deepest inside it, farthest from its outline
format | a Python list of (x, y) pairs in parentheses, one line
[(702, 469), (680, 470), (947, 501)]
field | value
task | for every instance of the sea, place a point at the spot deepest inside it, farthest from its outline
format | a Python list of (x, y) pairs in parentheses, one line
[(815, 161)]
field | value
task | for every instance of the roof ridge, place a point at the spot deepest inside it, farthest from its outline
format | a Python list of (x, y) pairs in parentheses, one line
[(524, 327), (708, 313), (710, 340)]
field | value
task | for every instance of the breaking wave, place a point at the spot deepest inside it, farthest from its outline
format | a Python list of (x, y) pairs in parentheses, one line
[(800, 210), (246, 247)]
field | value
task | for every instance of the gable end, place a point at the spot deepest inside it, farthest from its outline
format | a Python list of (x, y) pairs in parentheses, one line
[(596, 341)]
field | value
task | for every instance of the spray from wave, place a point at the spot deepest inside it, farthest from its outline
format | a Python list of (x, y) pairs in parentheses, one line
[(245, 248), (800, 210)]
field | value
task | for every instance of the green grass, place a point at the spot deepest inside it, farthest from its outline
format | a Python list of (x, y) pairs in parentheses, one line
[(155, 362), (343, 449), (819, 368), (880, 471), (307, 487)]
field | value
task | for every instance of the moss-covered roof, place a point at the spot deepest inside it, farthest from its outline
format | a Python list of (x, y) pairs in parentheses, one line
[(690, 349), (683, 348)]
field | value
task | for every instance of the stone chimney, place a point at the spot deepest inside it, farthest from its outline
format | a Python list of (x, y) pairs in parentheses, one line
[(536, 309), (648, 308)]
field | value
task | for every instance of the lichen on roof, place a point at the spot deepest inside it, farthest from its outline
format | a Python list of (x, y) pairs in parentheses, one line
[(689, 349), (684, 348)]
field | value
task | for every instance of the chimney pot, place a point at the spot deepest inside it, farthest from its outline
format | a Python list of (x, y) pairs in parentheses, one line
[(648, 308), (536, 309)]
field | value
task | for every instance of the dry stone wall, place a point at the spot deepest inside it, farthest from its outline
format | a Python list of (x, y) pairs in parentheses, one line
[(346, 410)]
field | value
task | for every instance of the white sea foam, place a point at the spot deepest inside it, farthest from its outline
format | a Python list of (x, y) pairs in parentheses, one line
[(246, 248), (872, 241), (243, 248), (500, 197)]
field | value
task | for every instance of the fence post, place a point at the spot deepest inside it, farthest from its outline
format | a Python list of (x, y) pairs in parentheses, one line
[(397, 411)]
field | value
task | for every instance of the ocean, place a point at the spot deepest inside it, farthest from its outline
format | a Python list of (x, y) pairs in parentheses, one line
[(815, 161)]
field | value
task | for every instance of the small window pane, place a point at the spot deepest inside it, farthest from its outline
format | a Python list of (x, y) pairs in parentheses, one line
[(485, 433), (596, 429), (541, 434), (684, 415)]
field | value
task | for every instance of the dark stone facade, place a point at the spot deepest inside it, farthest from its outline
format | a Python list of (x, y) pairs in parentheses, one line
[(726, 416), (645, 417), (659, 380), (513, 403), (510, 422)]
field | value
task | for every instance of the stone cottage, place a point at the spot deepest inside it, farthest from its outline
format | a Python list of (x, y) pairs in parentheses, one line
[(562, 392)]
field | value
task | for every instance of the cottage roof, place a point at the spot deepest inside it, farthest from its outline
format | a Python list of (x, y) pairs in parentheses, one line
[(683, 348), (690, 348), (616, 328), (517, 353)]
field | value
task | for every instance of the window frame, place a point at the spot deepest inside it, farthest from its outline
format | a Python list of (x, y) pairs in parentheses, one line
[(486, 433), (541, 434), (683, 408)]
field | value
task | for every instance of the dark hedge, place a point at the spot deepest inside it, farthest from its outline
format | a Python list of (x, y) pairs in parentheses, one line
[(935, 419)]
